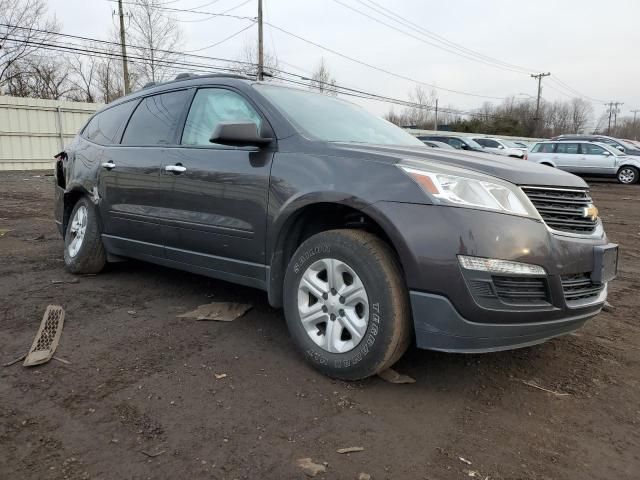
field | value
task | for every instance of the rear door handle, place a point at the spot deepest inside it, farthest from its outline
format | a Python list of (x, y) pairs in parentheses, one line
[(175, 168), (109, 165)]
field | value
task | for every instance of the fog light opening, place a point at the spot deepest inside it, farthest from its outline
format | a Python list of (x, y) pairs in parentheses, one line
[(494, 265)]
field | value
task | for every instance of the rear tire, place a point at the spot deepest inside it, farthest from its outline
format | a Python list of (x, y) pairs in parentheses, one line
[(83, 249), (349, 288), (628, 175)]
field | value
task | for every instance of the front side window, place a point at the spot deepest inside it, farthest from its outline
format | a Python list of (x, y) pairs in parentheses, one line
[(567, 148), (210, 107), (482, 142), (455, 143), (155, 120), (104, 126), (590, 149)]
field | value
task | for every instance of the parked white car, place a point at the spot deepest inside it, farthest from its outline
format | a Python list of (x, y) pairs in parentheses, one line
[(502, 147), (587, 158)]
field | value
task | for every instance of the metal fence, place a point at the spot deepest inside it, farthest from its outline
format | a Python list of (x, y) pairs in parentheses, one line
[(32, 131)]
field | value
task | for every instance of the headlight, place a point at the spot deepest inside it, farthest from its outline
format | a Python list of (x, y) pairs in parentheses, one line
[(472, 192)]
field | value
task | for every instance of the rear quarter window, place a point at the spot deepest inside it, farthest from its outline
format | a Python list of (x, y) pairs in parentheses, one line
[(104, 127)]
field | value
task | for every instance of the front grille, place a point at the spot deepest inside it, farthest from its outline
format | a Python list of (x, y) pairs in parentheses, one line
[(521, 290), (563, 209), (579, 287)]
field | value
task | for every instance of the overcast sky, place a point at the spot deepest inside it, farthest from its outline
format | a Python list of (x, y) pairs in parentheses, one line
[(590, 45)]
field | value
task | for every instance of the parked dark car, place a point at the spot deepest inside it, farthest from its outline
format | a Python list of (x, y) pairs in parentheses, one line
[(623, 146), (457, 142), (367, 239)]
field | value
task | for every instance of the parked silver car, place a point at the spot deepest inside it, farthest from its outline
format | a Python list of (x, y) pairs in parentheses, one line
[(502, 147), (587, 158)]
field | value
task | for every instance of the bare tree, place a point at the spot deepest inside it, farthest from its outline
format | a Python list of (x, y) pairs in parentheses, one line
[(109, 80), (322, 80), (248, 59), (26, 26), (154, 36), (581, 113), (39, 77), (84, 77)]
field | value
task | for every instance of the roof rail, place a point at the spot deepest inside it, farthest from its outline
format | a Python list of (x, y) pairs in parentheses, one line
[(182, 76), (150, 84)]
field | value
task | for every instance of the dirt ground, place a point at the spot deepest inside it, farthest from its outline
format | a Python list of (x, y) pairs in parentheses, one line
[(140, 398)]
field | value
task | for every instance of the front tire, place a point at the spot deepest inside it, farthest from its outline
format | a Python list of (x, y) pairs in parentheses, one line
[(628, 175), (83, 249), (346, 304)]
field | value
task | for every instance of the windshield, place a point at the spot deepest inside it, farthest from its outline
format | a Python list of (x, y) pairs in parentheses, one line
[(627, 145), (511, 144), (333, 120)]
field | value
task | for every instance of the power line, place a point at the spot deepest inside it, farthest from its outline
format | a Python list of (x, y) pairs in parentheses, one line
[(373, 67), (463, 51), (385, 11), (223, 40), (461, 54), (188, 10)]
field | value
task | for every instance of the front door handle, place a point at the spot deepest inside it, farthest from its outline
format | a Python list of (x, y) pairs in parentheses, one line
[(109, 165), (175, 168)]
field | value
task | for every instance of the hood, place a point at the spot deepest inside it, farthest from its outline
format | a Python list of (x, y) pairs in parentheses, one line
[(519, 172)]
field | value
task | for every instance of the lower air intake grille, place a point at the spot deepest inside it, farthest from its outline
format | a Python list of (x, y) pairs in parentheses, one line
[(563, 209), (579, 287), (521, 290)]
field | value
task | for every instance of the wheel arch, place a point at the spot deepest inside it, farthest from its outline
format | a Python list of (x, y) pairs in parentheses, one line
[(311, 217)]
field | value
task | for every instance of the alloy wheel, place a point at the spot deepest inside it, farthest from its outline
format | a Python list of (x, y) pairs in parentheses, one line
[(77, 230)]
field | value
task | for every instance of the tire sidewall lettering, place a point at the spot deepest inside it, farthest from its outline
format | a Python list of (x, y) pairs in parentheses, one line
[(312, 252)]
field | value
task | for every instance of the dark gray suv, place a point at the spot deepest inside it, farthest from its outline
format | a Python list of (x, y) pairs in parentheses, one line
[(368, 239)]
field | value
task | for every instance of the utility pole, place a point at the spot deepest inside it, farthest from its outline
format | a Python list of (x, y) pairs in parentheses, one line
[(125, 66), (635, 133), (613, 109), (435, 122), (260, 44), (537, 117)]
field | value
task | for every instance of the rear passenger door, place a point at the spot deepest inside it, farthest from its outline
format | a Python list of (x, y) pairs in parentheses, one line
[(218, 212), (567, 157), (597, 160), (134, 194)]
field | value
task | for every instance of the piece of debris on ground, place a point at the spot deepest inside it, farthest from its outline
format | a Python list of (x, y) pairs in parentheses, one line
[(219, 311), (46, 340), (350, 450), (310, 468), (534, 385), (391, 376)]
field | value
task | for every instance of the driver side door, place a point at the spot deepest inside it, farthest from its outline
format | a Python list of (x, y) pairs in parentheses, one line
[(218, 200)]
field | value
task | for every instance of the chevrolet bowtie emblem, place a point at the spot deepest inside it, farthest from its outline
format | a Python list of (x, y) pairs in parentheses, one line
[(590, 212)]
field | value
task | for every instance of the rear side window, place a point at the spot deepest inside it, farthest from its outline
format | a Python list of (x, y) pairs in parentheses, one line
[(104, 126), (155, 120), (567, 148), (211, 106)]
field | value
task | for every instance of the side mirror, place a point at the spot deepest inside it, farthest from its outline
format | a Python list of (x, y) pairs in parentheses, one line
[(620, 147), (238, 134), (607, 154), (501, 147)]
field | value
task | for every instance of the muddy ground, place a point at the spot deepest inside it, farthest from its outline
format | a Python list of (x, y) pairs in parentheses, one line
[(140, 398)]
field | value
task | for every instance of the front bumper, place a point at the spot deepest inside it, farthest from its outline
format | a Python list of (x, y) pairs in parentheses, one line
[(447, 314), (438, 326)]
